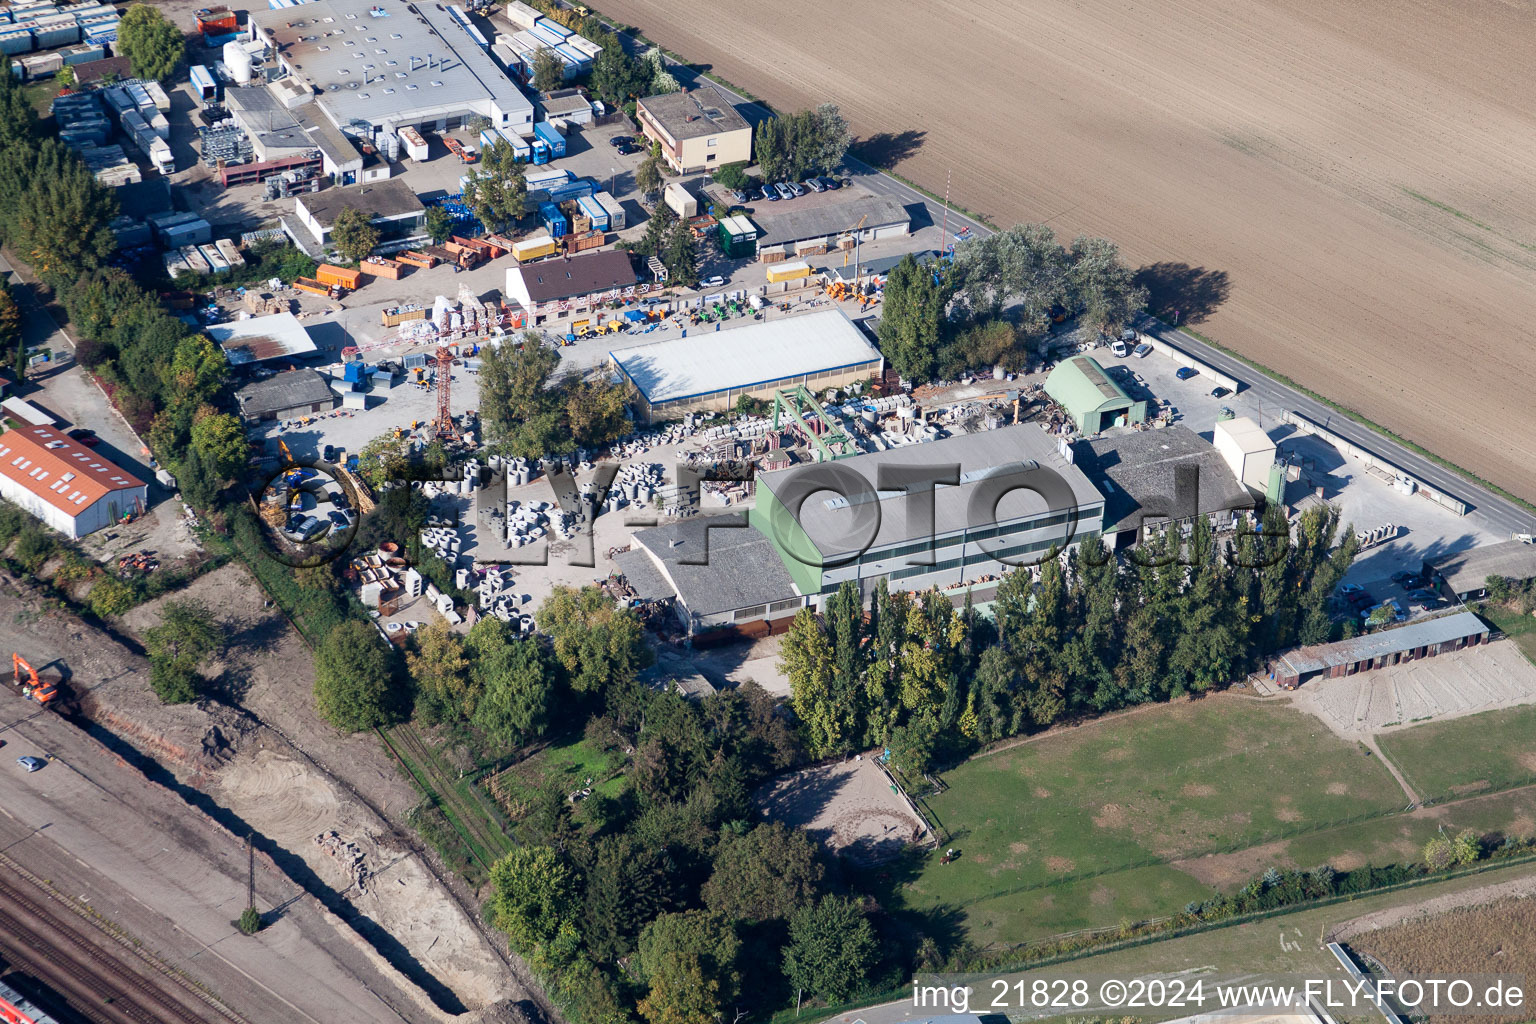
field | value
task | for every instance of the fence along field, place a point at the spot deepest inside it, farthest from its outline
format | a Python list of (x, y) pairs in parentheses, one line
[(1357, 172)]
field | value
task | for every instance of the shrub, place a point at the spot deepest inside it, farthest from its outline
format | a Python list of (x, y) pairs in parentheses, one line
[(250, 921), (111, 596)]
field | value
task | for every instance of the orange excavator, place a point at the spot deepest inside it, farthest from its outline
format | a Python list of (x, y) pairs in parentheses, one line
[(26, 679)]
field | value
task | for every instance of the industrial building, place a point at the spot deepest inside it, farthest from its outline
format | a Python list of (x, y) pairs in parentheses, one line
[(391, 205), (275, 336), (811, 229), (716, 570), (1150, 478), (1465, 574), (1250, 454), (698, 129), (1013, 496), (710, 372), (552, 288), (285, 396), (282, 136), (1091, 397), (65, 484), (388, 64), (569, 105), (1422, 639)]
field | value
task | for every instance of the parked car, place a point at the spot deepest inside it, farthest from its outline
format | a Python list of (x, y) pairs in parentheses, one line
[(328, 453), (1360, 600), (1404, 576), (1220, 392), (1143, 350), (31, 763), (1415, 583), (1423, 596), (796, 189), (627, 149), (85, 437), (620, 140), (1351, 588), (785, 192), (814, 184), (832, 183), (713, 282), (304, 529), (740, 196), (770, 193), (1186, 372), (339, 519)]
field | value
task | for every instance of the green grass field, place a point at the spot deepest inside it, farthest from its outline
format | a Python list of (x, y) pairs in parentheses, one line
[(1080, 829), (1520, 628), (1491, 751), (567, 764)]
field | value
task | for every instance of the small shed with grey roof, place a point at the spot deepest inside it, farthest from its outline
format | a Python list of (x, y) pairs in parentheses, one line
[(1091, 397), (718, 569), (1152, 477), (286, 395), (1424, 638), (1466, 573), (820, 223)]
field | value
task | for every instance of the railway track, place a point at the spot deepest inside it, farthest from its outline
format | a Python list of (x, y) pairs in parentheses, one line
[(475, 819), (92, 976)]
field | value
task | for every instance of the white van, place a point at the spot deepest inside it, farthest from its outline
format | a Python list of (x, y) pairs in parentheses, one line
[(1120, 350)]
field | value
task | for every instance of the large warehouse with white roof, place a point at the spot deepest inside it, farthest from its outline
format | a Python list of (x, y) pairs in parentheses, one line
[(710, 372), (392, 63)]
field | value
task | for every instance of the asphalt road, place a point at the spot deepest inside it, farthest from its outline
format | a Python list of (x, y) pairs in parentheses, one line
[(1501, 513)]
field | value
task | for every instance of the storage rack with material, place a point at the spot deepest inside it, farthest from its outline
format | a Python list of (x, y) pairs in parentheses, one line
[(247, 174)]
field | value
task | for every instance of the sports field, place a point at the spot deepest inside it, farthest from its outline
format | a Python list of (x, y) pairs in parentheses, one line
[(1134, 817), (1339, 189)]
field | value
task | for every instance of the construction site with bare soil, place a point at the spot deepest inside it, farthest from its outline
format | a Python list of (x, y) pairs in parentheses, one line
[(1334, 190), (145, 820)]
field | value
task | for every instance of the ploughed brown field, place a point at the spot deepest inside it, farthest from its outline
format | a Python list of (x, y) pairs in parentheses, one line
[(1345, 190)]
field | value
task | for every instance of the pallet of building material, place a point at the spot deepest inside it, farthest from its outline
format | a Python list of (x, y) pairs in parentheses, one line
[(584, 241), (264, 303), (416, 258)]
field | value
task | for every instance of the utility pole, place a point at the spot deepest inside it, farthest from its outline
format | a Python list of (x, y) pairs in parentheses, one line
[(944, 231), (250, 873)]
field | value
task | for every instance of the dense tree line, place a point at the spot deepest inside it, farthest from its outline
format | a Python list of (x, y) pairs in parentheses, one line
[(798, 146), (998, 298), (164, 377), (1084, 634), (670, 239), (664, 901)]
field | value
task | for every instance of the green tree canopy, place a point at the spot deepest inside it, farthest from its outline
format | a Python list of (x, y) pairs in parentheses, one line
[(219, 440), (353, 234), (768, 873), (831, 949), (518, 695), (599, 644), (497, 191), (518, 408), (1102, 286), (648, 175), (548, 70), (186, 636), (533, 894), (439, 225), (354, 684), (154, 45), (689, 962), (911, 328), (616, 76)]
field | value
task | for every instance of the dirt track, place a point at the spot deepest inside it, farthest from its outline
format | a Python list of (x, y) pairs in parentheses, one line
[(1342, 184)]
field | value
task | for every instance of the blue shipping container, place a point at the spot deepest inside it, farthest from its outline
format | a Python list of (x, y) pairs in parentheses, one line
[(554, 220), (573, 56), (547, 133), (541, 32)]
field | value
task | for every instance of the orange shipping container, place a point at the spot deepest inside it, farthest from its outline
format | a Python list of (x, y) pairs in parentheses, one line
[(412, 258), (378, 266), (304, 284), (327, 274)]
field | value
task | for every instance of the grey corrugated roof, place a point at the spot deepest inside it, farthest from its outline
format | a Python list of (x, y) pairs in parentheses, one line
[(391, 197), (583, 274), (1007, 451), (284, 391), (1468, 571), (1139, 469), (642, 573), (1421, 633), (743, 567), (710, 113), (794, 225)]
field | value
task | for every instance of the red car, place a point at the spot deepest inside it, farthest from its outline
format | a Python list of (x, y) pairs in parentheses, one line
[(85, 437)]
